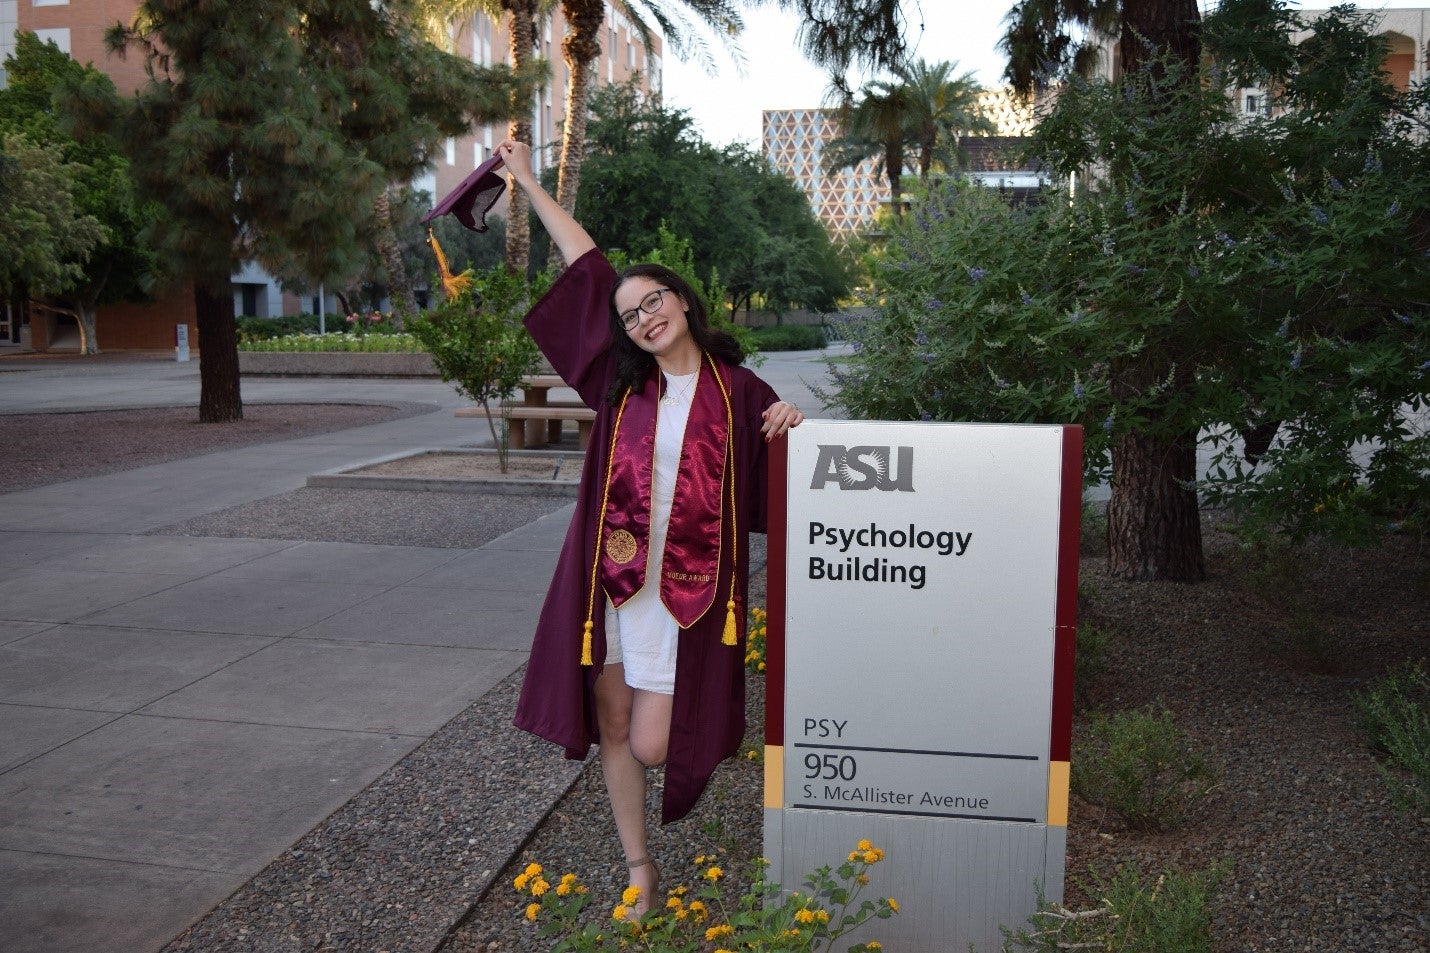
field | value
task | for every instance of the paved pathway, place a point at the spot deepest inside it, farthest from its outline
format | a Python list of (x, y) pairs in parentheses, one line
[(175, 711)]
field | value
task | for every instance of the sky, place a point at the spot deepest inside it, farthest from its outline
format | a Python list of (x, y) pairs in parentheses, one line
[(727, 106)]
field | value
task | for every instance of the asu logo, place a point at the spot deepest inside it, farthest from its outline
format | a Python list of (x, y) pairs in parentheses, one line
[(864, 468)]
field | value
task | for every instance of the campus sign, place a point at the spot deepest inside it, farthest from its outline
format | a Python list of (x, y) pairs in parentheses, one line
[(922, 590)]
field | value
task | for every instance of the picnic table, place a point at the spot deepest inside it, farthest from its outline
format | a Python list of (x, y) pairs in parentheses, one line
[(537, 420)]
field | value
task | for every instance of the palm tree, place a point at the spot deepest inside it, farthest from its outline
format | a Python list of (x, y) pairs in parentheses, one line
[(942, 108), (582, 47), (522, 17), (874, 124), (921, 109)]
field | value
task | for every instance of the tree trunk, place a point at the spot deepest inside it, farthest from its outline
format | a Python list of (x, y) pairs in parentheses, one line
[(1154, 528), (518, 225), (398, 286), (894, 169), (580, 50), (87, 319), (219, 398)]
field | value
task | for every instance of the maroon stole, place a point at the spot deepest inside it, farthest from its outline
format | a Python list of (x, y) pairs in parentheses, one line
[(691, 564)]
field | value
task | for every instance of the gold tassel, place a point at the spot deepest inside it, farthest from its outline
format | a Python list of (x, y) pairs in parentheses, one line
[(452, 285), (731, 636), (586, 658)]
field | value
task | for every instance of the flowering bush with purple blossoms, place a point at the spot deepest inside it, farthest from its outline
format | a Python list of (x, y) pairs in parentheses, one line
[(1262, 300)]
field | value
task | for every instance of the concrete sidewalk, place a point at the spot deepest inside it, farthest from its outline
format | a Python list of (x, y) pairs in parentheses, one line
[(176, 711)]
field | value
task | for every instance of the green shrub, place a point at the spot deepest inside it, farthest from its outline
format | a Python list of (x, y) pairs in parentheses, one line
[(1093, 529), (1395, 713), (1171, 915), (790, 337), (263, 329), (376, 343), (479, 345), (1143, 767), (1090, 659)]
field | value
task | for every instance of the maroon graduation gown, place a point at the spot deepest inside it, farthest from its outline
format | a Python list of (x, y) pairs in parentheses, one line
[(572, 326)]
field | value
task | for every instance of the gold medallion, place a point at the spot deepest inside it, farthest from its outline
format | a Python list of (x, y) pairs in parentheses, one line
[(620, 547)]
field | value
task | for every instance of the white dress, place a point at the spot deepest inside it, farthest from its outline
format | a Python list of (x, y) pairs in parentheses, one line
[(642, 635)]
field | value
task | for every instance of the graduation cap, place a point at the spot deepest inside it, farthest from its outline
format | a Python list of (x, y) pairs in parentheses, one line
[(471, 200)]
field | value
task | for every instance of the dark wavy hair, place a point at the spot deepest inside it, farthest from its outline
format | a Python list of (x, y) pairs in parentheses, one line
[(633, 365)]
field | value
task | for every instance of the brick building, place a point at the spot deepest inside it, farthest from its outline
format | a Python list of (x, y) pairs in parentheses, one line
[(78, 29)]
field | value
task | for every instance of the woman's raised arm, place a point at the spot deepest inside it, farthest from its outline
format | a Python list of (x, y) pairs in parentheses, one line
[(564, 230)]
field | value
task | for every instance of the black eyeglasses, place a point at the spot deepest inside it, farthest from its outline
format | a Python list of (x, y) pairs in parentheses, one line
[(650, 304)]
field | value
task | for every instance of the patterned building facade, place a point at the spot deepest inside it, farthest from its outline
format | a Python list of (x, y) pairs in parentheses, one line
[(78, 28), (846, 201)]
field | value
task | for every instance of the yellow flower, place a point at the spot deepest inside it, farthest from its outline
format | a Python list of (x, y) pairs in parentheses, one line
[(700, 860), (679, 891), (822, 916), (569, 879), (723, 950), (893, 904), (804, 916), (698, 909), (865, 845), (863, 880), (521, 881), (716, 932), (674, 903), (563, 888), (854, 856), (762, 666), (539, 887), (872, 856), (714, 873), (630, 895), (532, 909), (621, 912), (873, 945), (533, 870)]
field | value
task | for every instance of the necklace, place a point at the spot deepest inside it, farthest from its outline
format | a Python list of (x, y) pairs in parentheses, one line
[(675, 399)]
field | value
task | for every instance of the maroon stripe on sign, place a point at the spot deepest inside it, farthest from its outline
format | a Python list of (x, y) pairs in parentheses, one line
[(776, 514), (1065, 614)]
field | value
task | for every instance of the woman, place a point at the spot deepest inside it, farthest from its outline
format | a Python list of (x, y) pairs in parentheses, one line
[(673, 483)]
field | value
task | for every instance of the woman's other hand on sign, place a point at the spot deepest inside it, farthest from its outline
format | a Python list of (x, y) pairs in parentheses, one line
[(779, 419)]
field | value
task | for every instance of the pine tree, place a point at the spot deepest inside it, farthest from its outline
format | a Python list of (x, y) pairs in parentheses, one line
[(232, 138)]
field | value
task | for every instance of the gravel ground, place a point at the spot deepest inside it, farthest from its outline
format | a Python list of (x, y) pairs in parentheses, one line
[(1317, 857), (47, 448), (1258, 664), (379, 517)]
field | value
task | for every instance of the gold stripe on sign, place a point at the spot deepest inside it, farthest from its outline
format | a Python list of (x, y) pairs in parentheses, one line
[(1058, 777), (774, 776)]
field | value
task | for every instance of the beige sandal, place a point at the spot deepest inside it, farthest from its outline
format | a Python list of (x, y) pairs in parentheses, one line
[(649, 900)]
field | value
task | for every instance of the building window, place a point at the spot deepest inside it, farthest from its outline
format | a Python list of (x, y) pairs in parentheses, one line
[(50, 3), (250, 304), (482, 39), (59, 37), (451, 151)]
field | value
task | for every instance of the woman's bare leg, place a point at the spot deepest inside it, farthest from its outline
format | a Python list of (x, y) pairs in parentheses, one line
[(616, 707)]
